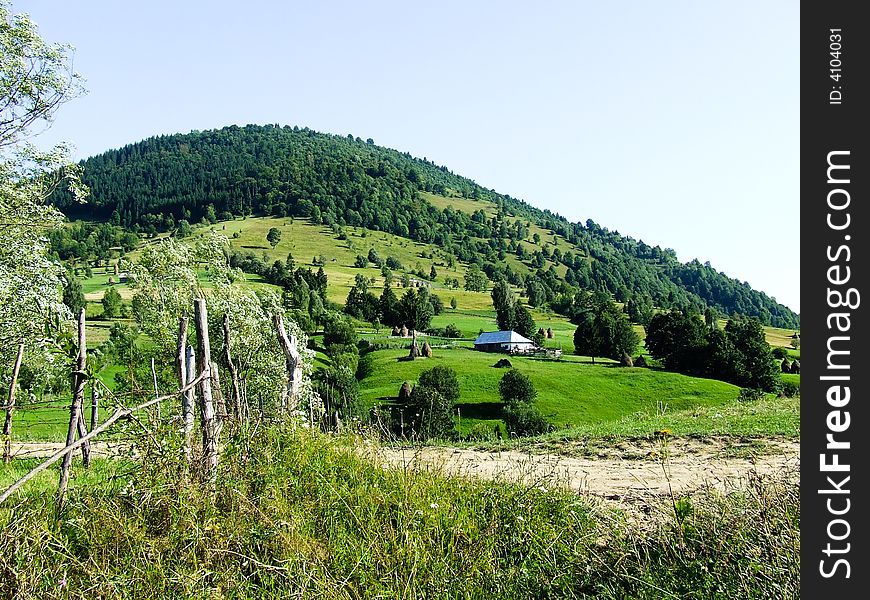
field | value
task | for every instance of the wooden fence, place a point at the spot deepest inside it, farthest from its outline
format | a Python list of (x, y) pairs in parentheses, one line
[(198, 388)]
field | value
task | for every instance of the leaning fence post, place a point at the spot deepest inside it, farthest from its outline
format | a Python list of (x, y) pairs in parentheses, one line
[(78, 388), (206, 403), (10, 407)]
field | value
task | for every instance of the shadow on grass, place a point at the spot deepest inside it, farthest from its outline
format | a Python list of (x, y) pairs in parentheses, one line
[(480, 410)]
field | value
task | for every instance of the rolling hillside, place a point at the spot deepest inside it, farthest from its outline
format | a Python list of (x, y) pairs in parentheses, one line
[(157, 184)]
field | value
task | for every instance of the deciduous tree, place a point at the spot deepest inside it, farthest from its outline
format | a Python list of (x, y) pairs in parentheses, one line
[(36, 78)]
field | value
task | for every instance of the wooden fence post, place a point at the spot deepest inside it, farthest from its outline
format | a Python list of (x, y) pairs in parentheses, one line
[(83, 431), (10, 407), (218, 394), (188, 398), (290, 396), (78, 388), (206, 403), (180, 362), (236, 402), (95, 407)]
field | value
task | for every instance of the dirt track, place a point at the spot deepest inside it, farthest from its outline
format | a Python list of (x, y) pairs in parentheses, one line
[(46, 449), (628, 473)]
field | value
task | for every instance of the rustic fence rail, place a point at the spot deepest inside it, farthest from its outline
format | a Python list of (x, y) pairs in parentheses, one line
[(77, 434)]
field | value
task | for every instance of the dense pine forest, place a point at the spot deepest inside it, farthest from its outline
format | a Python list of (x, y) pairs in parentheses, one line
[(165, 183)]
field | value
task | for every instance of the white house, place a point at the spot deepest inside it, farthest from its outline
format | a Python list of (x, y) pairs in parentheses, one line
[(503, 341)]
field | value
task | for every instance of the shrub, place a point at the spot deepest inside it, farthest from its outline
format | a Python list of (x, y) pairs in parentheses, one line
[(394, 263), (519, 412), (339, 390), (516, 388), (441, 379), (524, 419), (365, 366), (338, 334), (432, 413)]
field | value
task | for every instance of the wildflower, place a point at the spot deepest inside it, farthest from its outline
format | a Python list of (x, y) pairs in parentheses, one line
[(520, 518), (433, 506), (62, 582)]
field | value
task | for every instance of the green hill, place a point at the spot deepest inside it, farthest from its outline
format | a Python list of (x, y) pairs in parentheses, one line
[(156, 184)]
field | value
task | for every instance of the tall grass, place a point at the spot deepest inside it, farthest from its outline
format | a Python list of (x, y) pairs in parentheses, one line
[(305, 515)]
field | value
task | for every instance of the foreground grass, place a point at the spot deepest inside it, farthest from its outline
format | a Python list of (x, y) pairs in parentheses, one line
[(304, 516)]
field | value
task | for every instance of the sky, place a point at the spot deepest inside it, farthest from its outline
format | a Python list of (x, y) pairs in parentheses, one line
[(676, 123)]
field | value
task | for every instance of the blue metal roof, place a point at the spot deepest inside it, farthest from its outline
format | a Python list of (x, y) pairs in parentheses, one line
[(501, 337)]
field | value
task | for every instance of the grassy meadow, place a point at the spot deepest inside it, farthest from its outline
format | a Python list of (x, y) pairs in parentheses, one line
[(571, 391), (302, 515)]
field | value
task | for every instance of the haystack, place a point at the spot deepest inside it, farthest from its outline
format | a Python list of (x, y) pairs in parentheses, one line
[(415, 349)]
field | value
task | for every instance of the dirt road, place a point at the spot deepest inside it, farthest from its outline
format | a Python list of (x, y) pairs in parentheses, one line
[(627, 472)]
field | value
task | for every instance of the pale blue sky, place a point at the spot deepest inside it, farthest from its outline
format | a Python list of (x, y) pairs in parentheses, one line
[(673, 122)]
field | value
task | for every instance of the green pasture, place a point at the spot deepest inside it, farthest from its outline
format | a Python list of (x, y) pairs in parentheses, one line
[(306, 241), (571, 391), (769, 417)]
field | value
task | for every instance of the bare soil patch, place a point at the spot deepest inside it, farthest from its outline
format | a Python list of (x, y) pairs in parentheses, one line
[(631, 473)]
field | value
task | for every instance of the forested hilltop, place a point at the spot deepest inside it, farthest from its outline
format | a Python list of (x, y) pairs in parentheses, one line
[(156, 184)]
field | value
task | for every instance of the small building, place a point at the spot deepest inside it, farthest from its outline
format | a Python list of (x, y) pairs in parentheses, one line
[(504, 341)]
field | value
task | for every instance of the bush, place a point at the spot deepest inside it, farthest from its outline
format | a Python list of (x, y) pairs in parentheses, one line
[(524, 419), (519, 412), (339, 390), (441, 379), (432, 413), (338, 334), (516, 388), (450, 331), (394, 264), (365, 366)]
